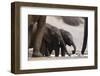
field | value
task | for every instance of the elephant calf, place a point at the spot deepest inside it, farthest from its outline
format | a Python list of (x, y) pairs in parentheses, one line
[(51, 41), (68, 39)]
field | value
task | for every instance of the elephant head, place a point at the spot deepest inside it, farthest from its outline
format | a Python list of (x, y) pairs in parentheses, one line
[(68, 39)]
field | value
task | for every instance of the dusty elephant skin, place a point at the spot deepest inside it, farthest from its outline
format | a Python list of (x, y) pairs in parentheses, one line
[(37, 32), (73, 21), (52, 40), (68, 39)]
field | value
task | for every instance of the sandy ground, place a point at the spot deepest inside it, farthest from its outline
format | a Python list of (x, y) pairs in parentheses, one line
[(52, 57), (77, 33)]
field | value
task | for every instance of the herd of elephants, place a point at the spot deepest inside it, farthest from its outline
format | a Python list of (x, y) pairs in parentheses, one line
[(44, 38)]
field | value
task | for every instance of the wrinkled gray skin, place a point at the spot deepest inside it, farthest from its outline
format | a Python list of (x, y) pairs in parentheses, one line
[(36, 27), (68, 39), (73, 21), (51, 41), (52, 38)]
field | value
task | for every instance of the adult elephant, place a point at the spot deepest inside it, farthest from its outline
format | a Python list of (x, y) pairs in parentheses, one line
[(36, 27)]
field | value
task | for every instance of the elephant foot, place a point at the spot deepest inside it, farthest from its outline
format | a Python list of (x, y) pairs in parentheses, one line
[(47, 55), (68, 54), (63, 55), (82, 52), (73, 52), (56, 55), (37, 54)]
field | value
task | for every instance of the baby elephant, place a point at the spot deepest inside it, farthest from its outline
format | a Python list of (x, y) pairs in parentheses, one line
[(52, 40), (68, 39)]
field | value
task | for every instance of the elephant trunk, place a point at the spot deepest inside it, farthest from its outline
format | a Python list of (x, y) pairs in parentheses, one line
[(74, 51)]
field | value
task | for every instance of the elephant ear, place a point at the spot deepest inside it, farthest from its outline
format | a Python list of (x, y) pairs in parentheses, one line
[(74, 21)]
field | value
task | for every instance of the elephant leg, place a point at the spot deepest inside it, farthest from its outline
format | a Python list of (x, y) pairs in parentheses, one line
[(63, 45), (29, 40), (43, 48), (57, 52), (47, 53), (62, 52), (50, 51), (37, 45), (30, 35), (39, 36), (85, 36)]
